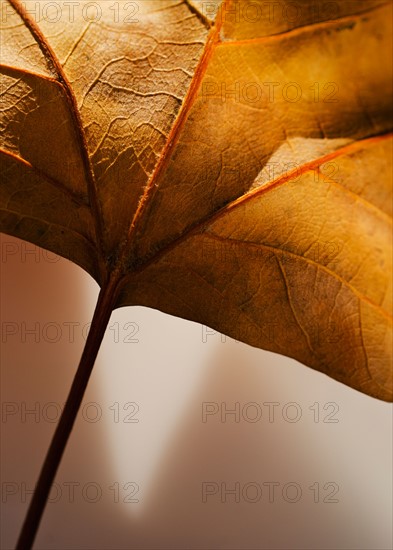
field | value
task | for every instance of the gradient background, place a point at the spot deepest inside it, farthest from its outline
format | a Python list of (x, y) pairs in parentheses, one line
[(169, 372)]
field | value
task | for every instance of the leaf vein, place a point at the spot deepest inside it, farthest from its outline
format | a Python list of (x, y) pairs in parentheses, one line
[(276, 250)]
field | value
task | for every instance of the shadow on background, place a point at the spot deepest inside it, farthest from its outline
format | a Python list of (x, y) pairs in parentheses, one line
[(236, 456)]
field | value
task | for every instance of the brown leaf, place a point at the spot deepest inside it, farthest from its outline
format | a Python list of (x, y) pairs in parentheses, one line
[(215, 160)]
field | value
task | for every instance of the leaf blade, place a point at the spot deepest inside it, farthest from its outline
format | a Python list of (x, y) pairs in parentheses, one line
[(183, 188), (272, 293)]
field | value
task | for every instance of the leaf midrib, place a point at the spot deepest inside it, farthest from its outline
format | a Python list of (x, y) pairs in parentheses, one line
[(150, 188)]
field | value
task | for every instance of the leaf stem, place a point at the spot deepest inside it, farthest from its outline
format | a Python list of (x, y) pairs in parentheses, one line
[(105, 304)]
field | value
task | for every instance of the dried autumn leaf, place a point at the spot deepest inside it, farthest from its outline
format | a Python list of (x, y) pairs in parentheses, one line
[(213, 160), (143, 151)]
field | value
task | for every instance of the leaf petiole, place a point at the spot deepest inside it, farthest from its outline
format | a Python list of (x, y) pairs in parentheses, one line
[(103, 310)]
